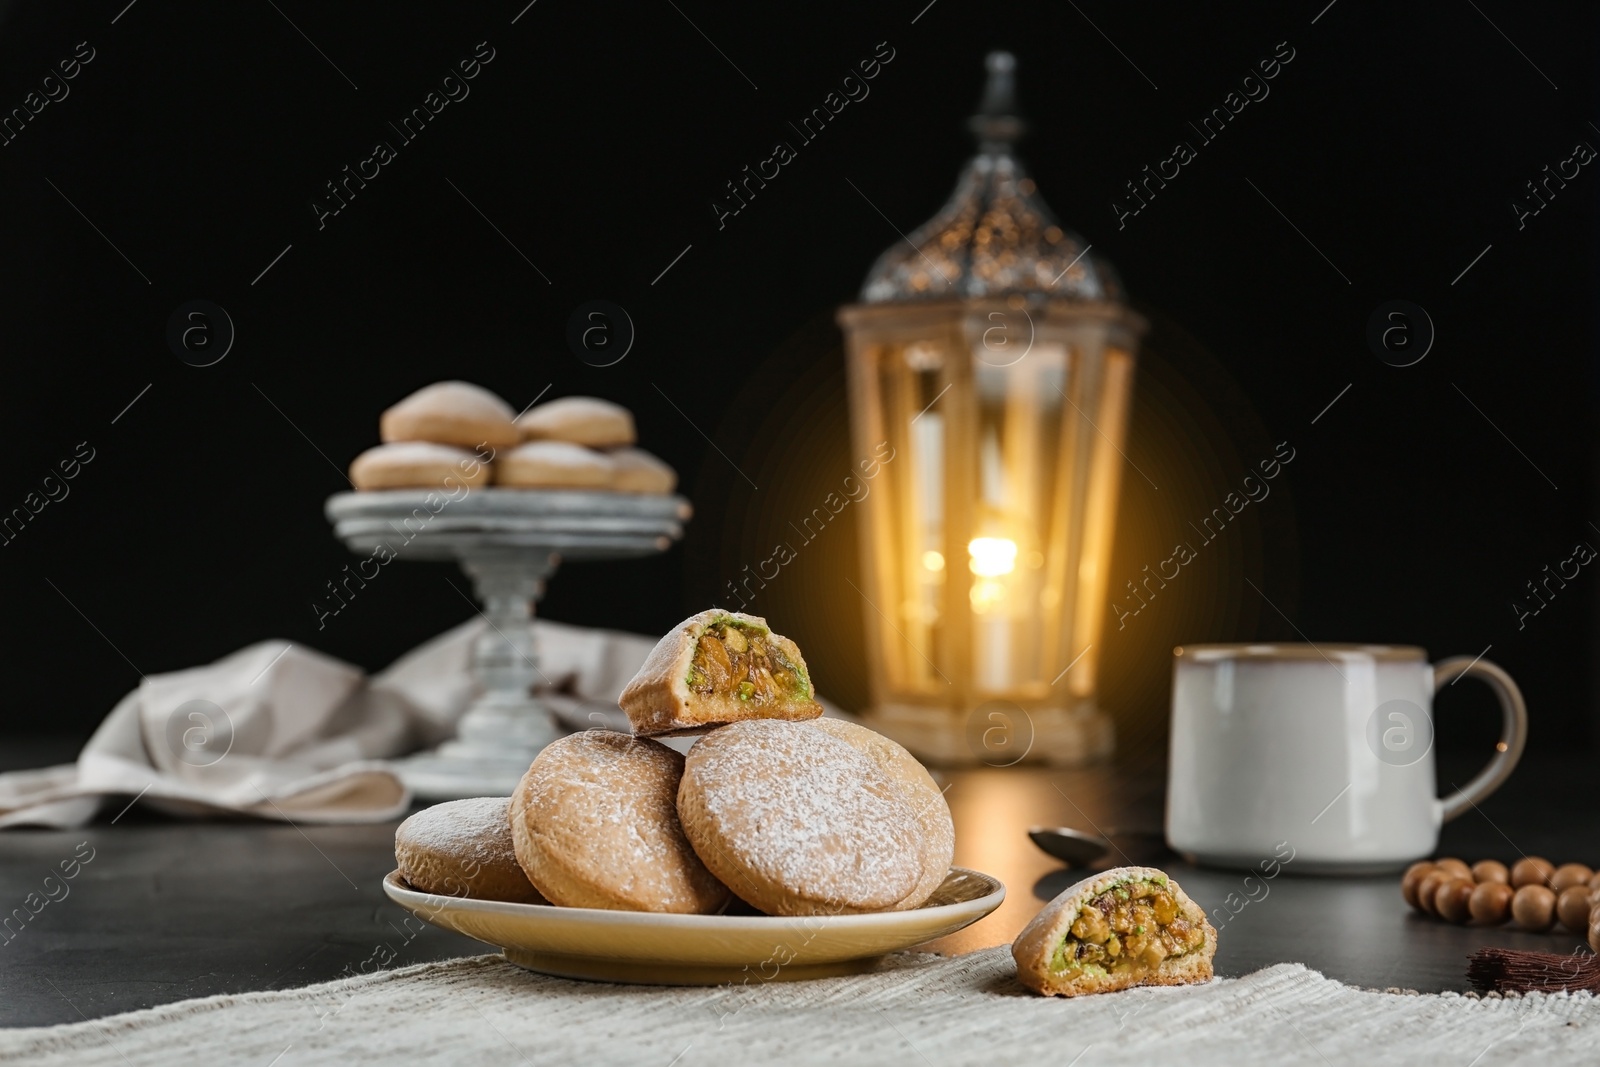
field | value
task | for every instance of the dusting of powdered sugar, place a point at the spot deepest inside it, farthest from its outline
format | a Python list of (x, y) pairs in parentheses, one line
[(463, 830), (805, 814), (604, 805), (418, 452)]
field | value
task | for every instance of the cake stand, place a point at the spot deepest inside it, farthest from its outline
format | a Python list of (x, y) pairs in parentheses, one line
[(509, 542)]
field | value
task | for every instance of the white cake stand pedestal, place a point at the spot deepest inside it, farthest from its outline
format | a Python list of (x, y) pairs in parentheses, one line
[(509, 542)]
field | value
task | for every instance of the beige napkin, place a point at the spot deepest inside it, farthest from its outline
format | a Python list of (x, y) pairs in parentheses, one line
[(918, 1010), (279, 731)]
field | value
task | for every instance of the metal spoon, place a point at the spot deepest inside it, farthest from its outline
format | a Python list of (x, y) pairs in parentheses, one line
[(1076, 848), (1079, 848)]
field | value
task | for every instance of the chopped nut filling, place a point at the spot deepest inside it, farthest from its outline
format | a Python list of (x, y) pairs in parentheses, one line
[(739, 661), (1128, 929)]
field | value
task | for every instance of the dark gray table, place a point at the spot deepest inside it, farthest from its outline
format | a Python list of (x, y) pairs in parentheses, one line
[(168, 910)]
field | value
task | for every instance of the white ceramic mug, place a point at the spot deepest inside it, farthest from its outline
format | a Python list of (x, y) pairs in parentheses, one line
[(1328, 748)]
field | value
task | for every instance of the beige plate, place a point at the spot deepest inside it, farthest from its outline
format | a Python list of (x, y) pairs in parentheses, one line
[(660, 949)]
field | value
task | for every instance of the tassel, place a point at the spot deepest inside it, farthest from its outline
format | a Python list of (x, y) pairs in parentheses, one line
[(1516, 971)]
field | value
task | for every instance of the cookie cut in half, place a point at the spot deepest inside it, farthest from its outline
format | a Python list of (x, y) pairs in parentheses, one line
[(715, 668), (1125, 927)]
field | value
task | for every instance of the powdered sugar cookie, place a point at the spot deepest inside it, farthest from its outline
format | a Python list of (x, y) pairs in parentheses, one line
[(451, 413), (595, 825), (554, 465), (463, 849), (581, 420), (637, 471), (798, 822), (916, 785), (417, 465)]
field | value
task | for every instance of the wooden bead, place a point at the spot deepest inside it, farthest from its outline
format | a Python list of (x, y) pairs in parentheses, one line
[(1570, 874), (1531, 870), (1491, 903), (1412, 879), (1572, 908), (1431, 883), (1533, 892), (1491, 871), (1534, 908), (1453, 901)]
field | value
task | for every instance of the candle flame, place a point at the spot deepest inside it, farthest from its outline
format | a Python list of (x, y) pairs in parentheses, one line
[(992, 556)]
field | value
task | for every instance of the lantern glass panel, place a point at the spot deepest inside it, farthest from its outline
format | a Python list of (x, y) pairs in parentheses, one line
[(987, 536)]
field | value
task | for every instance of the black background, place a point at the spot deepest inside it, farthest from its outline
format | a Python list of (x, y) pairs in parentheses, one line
[(195, 140)]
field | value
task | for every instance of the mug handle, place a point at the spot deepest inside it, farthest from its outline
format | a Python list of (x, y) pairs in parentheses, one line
[(1513, 732)]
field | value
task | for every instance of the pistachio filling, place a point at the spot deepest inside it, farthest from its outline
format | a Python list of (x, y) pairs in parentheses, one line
[(1129, 929), (735, 659)]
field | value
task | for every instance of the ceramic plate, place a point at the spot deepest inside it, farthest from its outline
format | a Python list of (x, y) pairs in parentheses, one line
[(649, 947)]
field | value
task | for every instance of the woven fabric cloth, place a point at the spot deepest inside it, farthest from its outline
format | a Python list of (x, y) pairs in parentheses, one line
[(918, 1010), (285, 733)]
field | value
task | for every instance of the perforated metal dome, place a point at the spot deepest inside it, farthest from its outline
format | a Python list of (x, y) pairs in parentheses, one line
[(995, 236)]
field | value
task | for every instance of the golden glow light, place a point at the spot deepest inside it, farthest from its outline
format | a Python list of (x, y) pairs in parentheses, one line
[(932, 561), (986, 594), (992, 556)]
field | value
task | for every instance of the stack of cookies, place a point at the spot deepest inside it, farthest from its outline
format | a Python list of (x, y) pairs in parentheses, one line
[(790, 813), (453, 434)]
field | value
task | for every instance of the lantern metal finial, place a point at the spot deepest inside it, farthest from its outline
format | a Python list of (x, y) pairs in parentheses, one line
[(995, 236), (997, 125)]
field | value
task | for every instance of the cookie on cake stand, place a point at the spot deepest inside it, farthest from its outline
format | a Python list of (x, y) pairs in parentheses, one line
[(509, 541)]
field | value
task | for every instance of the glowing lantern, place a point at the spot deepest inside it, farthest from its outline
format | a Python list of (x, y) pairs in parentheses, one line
[(992, 351)]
